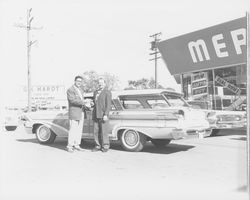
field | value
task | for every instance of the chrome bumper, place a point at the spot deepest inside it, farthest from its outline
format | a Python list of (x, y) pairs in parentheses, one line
[(216, 124), (229, 125), (191, 133)]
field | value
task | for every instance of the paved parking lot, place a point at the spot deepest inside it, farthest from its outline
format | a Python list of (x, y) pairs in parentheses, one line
[(209, 168)]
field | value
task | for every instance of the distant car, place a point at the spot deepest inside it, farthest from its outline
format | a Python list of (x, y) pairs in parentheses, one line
[(11, 120), (137, 116), (222, 119), (198, 104), (242, 106)]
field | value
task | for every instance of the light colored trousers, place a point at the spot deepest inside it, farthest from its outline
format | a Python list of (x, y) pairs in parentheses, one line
[(75, 132)]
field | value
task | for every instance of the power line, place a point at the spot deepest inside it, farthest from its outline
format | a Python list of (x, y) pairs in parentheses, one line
[(28, 28)]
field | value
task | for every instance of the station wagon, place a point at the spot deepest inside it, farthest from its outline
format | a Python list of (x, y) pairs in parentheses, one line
[(136, 117)]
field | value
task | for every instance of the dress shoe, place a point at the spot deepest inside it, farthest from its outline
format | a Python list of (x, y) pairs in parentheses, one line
[(70, 149), (78, 148), (104, 150), (95, 149)]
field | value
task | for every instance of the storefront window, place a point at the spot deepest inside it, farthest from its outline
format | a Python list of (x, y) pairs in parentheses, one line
[(224, 87), (235, 75)]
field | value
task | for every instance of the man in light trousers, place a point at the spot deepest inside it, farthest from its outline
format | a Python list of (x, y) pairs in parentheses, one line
[(77, 114)]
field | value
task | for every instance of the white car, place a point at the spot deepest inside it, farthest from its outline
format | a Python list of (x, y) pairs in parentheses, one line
[(222, 119), (11, 119)]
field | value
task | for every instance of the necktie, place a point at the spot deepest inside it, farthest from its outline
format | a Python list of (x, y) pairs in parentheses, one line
[(97, 94)]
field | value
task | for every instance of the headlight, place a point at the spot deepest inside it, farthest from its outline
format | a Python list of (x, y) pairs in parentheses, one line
[(245, 115), (180, 114), (24, 118), (211, 114), (237, 118)]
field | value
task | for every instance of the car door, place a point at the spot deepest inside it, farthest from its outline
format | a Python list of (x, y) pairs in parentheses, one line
[(109, 125)]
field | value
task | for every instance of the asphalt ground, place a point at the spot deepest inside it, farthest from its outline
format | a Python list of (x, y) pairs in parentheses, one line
[(208, 168)]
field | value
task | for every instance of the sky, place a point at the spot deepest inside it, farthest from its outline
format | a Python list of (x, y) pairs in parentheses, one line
[(101, 35)]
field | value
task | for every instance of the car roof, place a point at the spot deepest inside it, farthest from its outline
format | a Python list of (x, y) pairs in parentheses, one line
[(117, 93)]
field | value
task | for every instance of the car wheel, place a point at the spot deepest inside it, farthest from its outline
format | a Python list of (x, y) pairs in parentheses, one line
[(45, 135), (160, 142), (10, 128), (215, 132), (132, 140)]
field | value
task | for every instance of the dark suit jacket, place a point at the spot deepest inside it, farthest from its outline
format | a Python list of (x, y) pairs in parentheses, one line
[(102, 104), (76, 104)]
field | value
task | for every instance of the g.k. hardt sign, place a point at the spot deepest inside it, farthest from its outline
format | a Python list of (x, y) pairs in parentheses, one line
[(220, 45)]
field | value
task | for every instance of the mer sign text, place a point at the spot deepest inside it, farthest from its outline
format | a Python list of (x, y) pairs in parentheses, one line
[(217, 46)]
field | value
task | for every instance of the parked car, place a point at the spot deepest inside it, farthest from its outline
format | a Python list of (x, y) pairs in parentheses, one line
[(222, 119), (137, 116), (11, 119), (198, 104)]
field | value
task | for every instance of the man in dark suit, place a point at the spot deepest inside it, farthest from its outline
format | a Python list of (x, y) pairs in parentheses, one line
[(77, 114), (102, 105)]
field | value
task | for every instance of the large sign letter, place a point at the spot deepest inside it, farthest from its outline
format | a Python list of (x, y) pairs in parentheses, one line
[(198, 46), (237, 41), (219, 46)]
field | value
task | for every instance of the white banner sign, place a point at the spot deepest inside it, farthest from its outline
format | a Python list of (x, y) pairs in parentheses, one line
[(199, 84), (227, 85), (46, 95)]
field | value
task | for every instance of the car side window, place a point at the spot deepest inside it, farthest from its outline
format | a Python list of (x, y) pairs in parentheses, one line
[(116, 105), (131, 104), (176, 100), (157, 103)]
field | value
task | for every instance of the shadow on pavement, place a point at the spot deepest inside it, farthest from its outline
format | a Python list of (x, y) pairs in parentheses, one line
[(239, 138), (226, 132), (169, 149), (58, 144), (242, 188), (61, 143), (149, 148)]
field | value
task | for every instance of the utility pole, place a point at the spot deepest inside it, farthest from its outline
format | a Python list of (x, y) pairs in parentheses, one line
[(248, 104), (28, 27), (155, 53)]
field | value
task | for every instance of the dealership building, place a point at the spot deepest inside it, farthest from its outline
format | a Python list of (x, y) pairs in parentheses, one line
[(210, 64)]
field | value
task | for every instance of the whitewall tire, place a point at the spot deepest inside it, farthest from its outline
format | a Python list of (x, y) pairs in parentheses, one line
[(45, 135), (132, 140)]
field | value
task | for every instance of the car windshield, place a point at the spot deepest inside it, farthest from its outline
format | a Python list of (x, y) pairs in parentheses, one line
[(175, 100)]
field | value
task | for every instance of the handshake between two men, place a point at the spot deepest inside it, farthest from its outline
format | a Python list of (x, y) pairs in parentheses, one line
[(88, 104)]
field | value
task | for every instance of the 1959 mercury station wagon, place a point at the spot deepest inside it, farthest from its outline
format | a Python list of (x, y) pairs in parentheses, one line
[(136, 116)]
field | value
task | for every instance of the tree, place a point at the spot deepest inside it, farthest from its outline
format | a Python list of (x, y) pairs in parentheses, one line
[(111, 80), (151, 84), (142, 83), (90, 81)]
